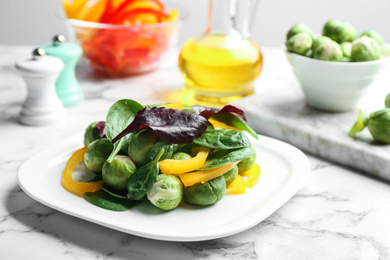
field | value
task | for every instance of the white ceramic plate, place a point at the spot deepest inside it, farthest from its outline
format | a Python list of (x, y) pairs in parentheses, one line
[(284, 169)]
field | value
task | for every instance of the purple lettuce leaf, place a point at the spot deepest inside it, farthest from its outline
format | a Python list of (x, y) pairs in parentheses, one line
[(173, 125), (208, 112), (101, 127)]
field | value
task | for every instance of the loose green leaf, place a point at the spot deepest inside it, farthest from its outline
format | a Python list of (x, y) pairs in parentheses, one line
[(223, 157), (104, 200), (119, 116), (223, 139), (143, 178), (359, 125), (235, 121)]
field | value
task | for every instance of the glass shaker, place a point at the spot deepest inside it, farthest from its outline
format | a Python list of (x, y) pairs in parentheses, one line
[(221, 65)]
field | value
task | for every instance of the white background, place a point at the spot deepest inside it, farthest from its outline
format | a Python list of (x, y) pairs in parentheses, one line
[(36, 21)]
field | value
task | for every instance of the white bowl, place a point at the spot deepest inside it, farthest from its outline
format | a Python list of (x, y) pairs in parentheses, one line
[(335, 86)]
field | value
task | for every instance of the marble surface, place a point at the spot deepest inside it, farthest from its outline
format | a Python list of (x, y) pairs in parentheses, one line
[(281, 111), (339, 213)]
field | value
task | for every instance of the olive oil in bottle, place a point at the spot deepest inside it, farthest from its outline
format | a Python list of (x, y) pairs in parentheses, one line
[(219, 67), (222, 64)]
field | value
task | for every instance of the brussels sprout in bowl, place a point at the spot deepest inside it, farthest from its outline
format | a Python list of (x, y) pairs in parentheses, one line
[(335, 86)]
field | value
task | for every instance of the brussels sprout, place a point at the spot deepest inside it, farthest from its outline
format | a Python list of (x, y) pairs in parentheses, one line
[(117, 173), (247, 163), (309, 53), (140, 145), (366, 49), (299, 28), (299, 43), (181, 156), (166, 193), (91, 133), (339, 31), (320, 40), (379, 125), (204, 194), (346, 47), (231, 175), (374, 35), (97, 153), (387, 101), (330, 51)]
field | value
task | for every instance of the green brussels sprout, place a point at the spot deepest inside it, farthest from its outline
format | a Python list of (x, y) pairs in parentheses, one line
[(339, 31), (231, 175), (204, 194), (387, 101), (91, 133), (300, 43), (166, 193), (375, 35), (346, 47), (320, 40), (379, 125), (309, 53), (97, 153), (247, 163), (299, 28), (366, 49), (140, 145), (117, 173), (181, 156), (330, 51)]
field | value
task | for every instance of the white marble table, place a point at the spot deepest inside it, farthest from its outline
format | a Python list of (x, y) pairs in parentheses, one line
[(337, 214)]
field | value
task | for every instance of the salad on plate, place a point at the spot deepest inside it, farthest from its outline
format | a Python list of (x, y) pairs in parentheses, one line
[(166, 155)]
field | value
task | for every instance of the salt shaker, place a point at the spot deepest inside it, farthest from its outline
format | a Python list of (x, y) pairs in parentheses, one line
[(67, 87), (42, 105)]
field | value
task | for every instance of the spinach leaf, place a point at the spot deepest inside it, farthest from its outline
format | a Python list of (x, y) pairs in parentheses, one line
[(223, 157), (223, 139), (113, 193), (143, 178), (104, 200), (235, 121), (169, 149), (119, 116)]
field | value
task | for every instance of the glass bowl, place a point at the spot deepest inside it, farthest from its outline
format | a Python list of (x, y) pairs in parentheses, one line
[(117, 51)]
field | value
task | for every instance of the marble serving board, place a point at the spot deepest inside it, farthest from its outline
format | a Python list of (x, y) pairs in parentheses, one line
[(279, 109), (282, 113)]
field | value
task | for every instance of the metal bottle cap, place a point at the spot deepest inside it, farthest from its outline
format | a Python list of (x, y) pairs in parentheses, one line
[(38, 53), (58, 39)]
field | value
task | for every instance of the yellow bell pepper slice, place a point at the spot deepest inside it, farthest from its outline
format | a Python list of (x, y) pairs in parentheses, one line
[(95, 11), (237, 186), (178, 106), (191, 178), (66, 7), (217, 124), (253, 175), (75, 187), (170, 166)]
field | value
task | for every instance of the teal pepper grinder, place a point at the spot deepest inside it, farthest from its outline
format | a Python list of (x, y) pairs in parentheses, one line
[(67, 87)]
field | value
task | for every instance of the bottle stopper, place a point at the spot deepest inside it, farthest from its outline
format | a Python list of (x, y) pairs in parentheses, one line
[(67, 86), (42, 105)]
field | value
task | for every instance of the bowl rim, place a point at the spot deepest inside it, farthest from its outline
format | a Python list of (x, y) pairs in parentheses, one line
[(183, 15), (82, 23), (350, 63)]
